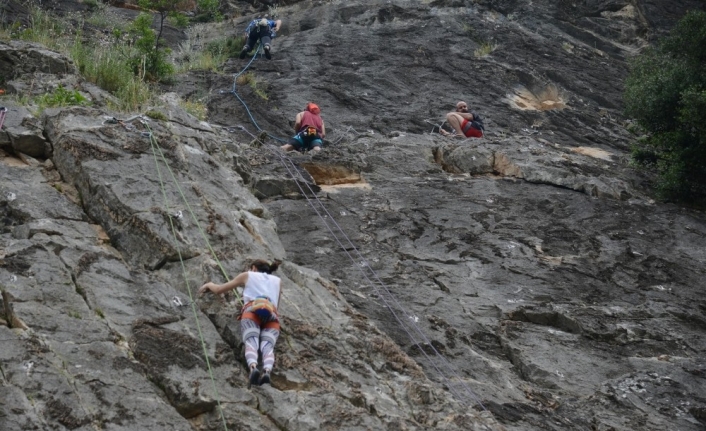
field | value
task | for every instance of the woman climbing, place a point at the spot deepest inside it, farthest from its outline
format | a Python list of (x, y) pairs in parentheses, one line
[(259, 322)]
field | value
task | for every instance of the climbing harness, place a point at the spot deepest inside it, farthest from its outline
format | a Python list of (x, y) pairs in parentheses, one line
[(262, 311), (262, 306), (309, 131)]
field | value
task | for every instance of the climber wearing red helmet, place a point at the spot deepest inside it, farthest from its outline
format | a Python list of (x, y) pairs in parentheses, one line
[(310, 130)]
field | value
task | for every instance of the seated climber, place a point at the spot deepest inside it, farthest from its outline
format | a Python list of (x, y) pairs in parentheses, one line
[(263, 30), (259, 320), (464, 123), (310, 130)]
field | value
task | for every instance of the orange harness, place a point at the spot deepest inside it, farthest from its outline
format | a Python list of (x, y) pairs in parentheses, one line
[(310, 131), (261, 309)]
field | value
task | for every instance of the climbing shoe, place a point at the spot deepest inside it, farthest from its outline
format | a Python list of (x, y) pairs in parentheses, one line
[(244, 52), (254, 377), (267, 52), (265, 379)]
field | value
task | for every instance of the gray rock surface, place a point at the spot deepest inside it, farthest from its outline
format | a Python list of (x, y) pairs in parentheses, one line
[(19, 58), (560, 308), (102, 249), (523, 281), (22, 133)]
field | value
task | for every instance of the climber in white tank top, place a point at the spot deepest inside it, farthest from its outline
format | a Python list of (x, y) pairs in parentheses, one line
[(259, 320), (261, 284)]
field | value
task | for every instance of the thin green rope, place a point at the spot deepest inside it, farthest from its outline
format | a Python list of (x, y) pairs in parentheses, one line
[(153, 143), (193, 216)]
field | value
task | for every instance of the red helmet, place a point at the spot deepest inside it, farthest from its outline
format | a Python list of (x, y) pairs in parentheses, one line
[(313, 108)]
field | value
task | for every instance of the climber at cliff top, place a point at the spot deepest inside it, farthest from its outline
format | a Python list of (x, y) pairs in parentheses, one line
[(263, 30)]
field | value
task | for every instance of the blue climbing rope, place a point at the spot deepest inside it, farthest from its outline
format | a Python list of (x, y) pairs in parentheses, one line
[(235, 77)]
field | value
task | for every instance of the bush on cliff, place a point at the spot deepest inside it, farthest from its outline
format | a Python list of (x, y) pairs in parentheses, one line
[(666, 93)]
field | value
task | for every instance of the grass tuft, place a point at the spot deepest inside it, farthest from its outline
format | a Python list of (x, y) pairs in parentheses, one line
[(156, 115), (254, 83), (485, 49), (195, 108), (102, 60)]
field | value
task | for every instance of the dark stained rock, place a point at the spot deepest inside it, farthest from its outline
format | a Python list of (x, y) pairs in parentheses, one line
[(18, 58)]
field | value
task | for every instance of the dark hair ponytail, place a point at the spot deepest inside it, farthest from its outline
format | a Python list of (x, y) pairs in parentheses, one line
[(265, 266)]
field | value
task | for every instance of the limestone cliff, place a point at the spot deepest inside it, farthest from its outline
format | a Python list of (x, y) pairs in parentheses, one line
[(521, 281)]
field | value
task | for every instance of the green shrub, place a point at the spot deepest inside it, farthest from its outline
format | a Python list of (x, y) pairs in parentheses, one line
[(156, 115), (110, 67), (228, 47), (43, 28), (251, 80), (195, 108), (211, 57), (102, 17), (484, 49), (62, 97), (178, 19), (666, 93), (106, 67), (150, 60), (207, 11), (134, 96), (245, 79), (120, 67)]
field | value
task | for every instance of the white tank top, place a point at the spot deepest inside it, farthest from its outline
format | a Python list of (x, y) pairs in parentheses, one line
[(261, 284)]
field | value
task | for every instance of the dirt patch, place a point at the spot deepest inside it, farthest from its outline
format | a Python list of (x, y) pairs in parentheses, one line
[(544, 99), (330, 175), (11, 161), (103, 237), (593, 152)]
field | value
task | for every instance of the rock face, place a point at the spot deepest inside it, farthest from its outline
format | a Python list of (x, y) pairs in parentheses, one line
[(521, 281), (103, 247)]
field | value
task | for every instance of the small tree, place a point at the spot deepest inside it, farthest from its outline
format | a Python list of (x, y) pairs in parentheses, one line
[(666, 93), (152, 61)]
